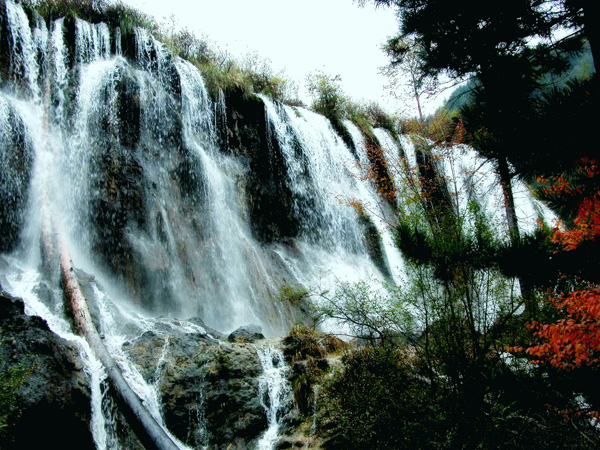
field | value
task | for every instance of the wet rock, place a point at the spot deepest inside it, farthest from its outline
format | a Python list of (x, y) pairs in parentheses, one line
[(246, 334), (211, 331), (129, 108), (289, 443), (4, 45), (271, 205), (209, 389), (48, 397), (374, 244)]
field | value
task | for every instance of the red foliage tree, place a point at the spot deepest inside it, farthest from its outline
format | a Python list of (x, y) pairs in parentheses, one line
[(574, 339)]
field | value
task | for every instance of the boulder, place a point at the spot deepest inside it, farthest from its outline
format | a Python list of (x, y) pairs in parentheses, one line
[(246, 334), (209, 389)]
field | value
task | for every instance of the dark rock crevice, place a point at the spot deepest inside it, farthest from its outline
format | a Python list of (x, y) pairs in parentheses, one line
[(270, 200)]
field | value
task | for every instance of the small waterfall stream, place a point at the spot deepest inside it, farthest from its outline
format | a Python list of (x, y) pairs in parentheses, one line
[(275, 393)]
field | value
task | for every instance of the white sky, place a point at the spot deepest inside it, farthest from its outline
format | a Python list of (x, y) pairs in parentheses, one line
[(300, 36)]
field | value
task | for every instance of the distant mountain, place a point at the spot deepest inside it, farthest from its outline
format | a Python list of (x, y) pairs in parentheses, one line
[(581, 66)]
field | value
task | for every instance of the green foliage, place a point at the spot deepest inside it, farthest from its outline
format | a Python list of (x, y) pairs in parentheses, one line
[(113, 13), (369, 314), (253, 75), (388, 398), (330, 100), (226, 77), (378, 118), (187, 45), (378, 401), (295, 294), (328, 97)]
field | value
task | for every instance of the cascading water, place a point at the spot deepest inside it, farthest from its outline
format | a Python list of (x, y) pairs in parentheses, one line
[(471, 178), (92, 41), (324, 178), (23, 59), (382, 215), (275, 393)]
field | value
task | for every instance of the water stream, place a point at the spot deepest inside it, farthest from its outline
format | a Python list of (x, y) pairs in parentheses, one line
[(275, 393)]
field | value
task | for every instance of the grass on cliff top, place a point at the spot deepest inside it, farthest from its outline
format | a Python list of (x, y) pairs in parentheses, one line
[(113, 13)]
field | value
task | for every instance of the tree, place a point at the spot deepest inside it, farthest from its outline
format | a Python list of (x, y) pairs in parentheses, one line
[(573, 340), (507, 49), (489, 40), (403, 69), (369, 315), (327, 94)]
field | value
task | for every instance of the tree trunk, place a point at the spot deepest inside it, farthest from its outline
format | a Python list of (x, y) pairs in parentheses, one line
[(144, 425), (513, 230), (509, 200), (591, 24)]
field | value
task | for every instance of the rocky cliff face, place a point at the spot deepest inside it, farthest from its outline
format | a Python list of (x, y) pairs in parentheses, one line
[(209, 388), (43, 390), (270, 199)]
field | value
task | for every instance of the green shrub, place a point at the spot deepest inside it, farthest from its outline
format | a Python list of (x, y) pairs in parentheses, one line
[(328, 97), (113, 13), (227, 77), (369, 314), (377, 401), (295, 294)]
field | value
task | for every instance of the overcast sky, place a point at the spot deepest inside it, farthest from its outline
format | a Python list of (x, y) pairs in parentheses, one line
[(300, 36)]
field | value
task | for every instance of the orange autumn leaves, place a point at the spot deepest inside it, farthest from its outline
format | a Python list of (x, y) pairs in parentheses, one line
[(587, 225), (574, 339)]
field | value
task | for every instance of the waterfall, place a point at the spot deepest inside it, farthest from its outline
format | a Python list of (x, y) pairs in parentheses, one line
[(92, 41), (174, 204), (275, 393), (325, 178), (470, 178), (23, 59), (382, 215)]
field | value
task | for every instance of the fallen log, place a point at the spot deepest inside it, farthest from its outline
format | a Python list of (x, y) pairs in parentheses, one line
[(141, 421), (147, 429)]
